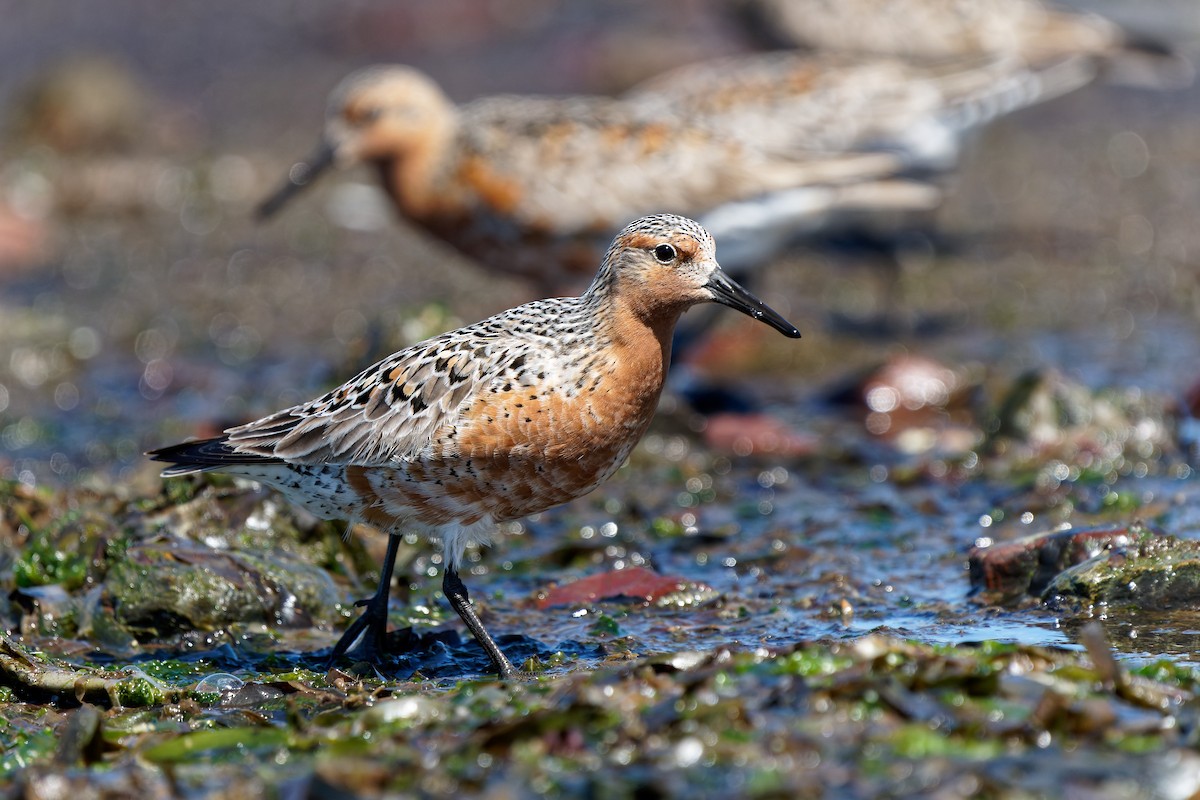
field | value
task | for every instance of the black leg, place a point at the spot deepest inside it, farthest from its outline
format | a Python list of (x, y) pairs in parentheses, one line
[(371, 625), (460, 601)]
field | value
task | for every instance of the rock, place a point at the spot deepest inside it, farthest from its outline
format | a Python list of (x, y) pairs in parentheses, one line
[(1156, 572), (762, 434), (915, 403), (173, 583), (1008, 572), (24, 242), (1045, 415), (635, 583)]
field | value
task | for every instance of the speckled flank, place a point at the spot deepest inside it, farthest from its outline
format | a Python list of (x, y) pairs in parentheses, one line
[(494, 421)]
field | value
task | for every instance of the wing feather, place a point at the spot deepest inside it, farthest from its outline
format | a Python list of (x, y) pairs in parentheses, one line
[(541, 145), (789, 101), (391, 411)]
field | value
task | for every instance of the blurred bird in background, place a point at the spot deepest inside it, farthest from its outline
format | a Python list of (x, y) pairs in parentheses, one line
[(911, 77), (1038, 34), (919, 110), (536, 186), (916, 108)]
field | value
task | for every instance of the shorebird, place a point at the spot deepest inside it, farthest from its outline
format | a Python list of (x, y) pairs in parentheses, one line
[(1032, 31), (537, 185), (492, 422), (918, 109)]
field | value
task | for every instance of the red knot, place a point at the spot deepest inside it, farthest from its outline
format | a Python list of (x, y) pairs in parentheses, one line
[(492, 422), (1032, 31), (843, 102), (537, 186)]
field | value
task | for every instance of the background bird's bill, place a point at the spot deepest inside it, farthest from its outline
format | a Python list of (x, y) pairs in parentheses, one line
[(300, 176)]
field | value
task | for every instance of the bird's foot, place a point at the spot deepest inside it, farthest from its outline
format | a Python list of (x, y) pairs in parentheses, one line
[(370, 633)]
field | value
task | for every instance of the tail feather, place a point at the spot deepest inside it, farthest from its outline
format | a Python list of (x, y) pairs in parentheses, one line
[(205, 455)]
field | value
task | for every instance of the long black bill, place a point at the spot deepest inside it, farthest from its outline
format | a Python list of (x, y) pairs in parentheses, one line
[(727, 292), (300, 176)]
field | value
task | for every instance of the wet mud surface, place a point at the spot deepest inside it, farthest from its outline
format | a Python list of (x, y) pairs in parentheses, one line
[(958, 559)]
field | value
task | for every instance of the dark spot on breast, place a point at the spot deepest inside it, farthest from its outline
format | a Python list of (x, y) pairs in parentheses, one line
[(418, 404)]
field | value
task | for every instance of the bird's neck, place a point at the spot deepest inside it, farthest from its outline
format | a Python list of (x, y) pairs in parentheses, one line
[(413, 176), (641, 335)]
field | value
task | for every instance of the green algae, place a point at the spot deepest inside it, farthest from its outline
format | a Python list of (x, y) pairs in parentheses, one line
[(922, 741), (41, 564), (222, 744), (763, 722), (812, 662), (61, 551), (1159, 572), (115, 569), (21, 748), (159, 586), (606, 625), (174, 671), (30, 673), (136, 691)]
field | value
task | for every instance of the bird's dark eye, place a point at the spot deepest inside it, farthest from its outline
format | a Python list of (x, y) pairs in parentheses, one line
[(665, 253)]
